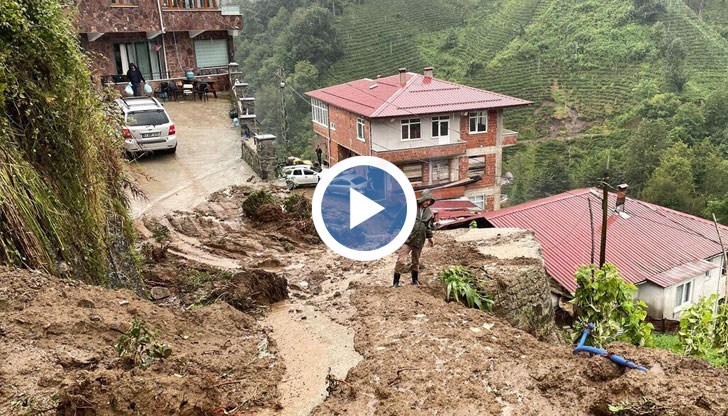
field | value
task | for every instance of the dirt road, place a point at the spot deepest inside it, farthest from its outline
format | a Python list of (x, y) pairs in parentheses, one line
[(207, 159)]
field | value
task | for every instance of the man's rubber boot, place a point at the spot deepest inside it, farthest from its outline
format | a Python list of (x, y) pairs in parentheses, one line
[(396, 280), (415, 278)]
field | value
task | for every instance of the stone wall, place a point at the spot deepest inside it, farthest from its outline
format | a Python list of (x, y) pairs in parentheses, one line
[(513, 272), (260, 157)]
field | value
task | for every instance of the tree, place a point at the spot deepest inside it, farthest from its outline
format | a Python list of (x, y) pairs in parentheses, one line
[(642, 151), (648, 11), (607, 301), (675, 55), (671, 184)]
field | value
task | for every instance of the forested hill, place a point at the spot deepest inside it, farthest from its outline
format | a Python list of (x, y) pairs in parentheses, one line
[(607, 76)]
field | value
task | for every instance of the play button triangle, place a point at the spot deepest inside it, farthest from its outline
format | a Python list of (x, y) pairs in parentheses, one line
[(361, 208)]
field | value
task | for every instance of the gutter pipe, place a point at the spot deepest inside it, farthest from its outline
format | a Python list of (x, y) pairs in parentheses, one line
[(598, 351), (164, 45)]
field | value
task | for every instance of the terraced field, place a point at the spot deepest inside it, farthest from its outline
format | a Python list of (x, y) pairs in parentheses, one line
[(592, 56)]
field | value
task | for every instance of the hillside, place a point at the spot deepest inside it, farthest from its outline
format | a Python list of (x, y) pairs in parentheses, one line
[(595, 56)]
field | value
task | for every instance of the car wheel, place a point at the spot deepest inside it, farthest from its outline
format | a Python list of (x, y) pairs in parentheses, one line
[(172, 150), (290, 184)]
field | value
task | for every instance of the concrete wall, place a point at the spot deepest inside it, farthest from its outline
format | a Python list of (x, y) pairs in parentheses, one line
[(387, 134)]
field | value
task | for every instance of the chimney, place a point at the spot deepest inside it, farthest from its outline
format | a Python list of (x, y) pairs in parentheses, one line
[(621, 197), (402, 76), (429, 71)]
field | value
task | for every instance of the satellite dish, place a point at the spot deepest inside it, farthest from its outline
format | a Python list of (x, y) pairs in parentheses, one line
[(507, 178)]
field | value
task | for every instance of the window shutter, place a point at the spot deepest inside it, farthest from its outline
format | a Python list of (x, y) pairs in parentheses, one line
[(211, 52)]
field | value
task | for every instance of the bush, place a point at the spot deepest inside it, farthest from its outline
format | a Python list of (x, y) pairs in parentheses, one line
[(298, 206), (606, 300), (255, 200), (461, 286), (139, 343)]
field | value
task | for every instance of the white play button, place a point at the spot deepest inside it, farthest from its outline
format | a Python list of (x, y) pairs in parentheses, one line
[(361, 208)]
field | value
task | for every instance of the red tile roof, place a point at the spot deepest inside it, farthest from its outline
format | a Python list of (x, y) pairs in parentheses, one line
[(384, 97), (654, 244)]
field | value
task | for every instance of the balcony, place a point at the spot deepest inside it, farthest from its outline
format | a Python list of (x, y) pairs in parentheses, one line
[(172, 5)]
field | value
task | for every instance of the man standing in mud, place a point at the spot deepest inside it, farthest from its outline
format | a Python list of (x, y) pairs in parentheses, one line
[(421, 232)]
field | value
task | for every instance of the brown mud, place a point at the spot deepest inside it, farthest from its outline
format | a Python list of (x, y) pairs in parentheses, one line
[(344, 343)]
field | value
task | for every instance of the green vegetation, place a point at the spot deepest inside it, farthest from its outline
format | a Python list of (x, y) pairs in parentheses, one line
[(606, 300), (461, 286), (140, 345), (61, 172), (297, 206), (255, 200), (620, 84)]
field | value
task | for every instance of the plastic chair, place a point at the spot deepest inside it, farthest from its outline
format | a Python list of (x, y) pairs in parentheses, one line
[(202, 90), (188, 91)]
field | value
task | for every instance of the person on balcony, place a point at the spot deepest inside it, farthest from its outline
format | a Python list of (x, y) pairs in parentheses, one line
[(134, 75)]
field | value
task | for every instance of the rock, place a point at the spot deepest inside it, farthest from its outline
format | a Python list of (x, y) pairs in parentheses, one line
[(160, 292), (123, 302), (303, 285), (85, 303), (95, 318), (76, 359)]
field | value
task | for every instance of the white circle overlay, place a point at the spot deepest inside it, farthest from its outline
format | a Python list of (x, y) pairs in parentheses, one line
[(367, 161)]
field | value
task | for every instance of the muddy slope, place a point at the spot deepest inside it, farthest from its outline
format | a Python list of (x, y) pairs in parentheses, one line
[(425, 356), (57, 337)]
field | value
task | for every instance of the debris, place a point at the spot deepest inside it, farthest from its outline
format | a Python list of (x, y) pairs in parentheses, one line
[(85, 303), (160, 292)]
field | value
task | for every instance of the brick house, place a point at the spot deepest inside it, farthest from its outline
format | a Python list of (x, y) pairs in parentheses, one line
[(165, 38), (445, 137)]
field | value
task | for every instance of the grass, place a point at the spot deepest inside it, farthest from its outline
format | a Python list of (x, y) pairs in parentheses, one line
[(61, 172), (671, 342)]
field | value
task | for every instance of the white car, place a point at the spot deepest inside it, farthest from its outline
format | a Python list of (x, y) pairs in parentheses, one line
[(147, 126), (342, 184), (301, 176)]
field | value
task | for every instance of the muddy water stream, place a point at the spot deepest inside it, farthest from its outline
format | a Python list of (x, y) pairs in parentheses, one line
[(312, 346)]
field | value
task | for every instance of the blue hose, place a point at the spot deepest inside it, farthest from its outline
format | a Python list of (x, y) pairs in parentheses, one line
[(593, 350)]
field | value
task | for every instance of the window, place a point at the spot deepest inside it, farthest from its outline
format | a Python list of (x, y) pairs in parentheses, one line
[(478, 200), (476, 165), (479, 122), (146, 118), (360, 128), (413, 172), (683, 294), (440, 126), (440, 171), (332, 125), (411, 129), (146, 55), (319, 112), (190, 4), (211, 53), (124, 2)]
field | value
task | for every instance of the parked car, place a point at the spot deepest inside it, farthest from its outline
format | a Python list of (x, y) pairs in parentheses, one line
[(342, 184), (301, 176), (147, 126)]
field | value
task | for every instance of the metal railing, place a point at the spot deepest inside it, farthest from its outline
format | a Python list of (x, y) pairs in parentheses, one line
[(191, 4), (168, 75)]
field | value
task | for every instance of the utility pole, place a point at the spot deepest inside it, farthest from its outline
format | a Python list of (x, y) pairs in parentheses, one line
[(284, 115), (605, 209)]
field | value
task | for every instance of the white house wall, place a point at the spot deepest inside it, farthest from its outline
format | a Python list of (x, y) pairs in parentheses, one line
[(387, 133), (654, 297)]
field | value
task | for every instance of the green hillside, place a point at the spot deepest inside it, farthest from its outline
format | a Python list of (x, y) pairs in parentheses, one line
[(639, 86), (593, 56)]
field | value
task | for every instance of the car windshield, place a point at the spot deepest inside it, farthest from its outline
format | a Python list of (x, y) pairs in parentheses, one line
[(145, 118), (358, 180)]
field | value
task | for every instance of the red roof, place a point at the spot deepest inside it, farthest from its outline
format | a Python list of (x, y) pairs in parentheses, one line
[(654, 244), (384, 97)]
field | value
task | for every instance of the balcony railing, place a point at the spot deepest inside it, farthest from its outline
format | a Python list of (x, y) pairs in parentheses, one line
[(191, 4)]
